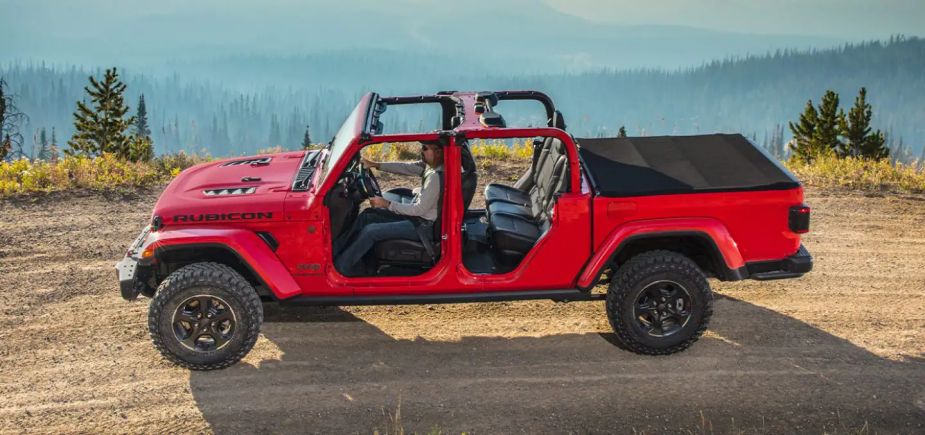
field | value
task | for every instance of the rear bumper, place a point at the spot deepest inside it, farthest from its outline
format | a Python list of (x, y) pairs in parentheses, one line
[(793, 266)]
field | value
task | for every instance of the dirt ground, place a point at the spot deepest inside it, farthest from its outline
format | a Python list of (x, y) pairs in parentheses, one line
[(841, 350)]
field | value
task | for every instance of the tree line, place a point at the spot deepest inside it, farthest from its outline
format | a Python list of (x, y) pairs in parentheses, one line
[(754, 95), (104, 127), (100, 126)]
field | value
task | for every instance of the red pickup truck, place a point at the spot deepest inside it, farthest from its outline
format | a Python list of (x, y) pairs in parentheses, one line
[(653, 217)]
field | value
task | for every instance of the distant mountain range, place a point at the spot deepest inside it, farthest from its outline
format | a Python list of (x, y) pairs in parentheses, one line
[(514, 35), (235, 104)]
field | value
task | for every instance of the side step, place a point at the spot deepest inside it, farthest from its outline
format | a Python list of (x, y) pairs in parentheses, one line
[(554, 295)]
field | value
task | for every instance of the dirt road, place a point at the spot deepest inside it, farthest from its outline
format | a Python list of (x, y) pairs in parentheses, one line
[(840, 350)]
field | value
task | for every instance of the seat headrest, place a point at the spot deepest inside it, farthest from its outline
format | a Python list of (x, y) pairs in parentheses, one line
[(560, 146)]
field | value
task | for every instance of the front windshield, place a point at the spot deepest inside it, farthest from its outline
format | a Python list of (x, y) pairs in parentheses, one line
[(342, 140)]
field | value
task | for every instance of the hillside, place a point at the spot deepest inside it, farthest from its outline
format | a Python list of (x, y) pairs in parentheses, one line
[(198, 108)]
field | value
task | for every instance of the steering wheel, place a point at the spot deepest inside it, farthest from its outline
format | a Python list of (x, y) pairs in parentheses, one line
[(367, 183)]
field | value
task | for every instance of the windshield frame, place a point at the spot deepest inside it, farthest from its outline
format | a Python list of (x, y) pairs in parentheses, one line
[(348, 133)]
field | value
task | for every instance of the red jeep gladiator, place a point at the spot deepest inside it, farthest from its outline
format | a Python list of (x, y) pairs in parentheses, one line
[(652, 216)]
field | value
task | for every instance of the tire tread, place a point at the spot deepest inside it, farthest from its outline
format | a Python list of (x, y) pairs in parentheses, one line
[(637, 268), (212, 275)]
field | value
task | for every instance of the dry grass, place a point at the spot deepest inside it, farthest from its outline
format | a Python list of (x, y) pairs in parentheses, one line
[(860, 174), (108, 172)]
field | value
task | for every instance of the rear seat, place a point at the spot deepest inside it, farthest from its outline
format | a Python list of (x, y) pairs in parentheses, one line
[(514, 228), (500, 193), (552, 165)]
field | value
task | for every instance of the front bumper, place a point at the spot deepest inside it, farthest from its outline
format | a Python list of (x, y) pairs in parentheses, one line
[(793, 266), (130, 282)]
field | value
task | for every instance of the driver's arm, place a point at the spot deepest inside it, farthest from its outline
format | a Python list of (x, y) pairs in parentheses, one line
[(403, 168), (424, 205)]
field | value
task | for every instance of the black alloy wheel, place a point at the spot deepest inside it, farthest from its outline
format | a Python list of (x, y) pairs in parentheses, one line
[(205, 316), (659, 303), (204, 323), (663, 308)]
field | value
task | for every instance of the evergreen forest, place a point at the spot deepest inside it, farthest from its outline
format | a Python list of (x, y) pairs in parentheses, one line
[(236, 106)]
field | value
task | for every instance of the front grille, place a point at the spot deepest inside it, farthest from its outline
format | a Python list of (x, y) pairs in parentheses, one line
[(254, 162), (230, 191)]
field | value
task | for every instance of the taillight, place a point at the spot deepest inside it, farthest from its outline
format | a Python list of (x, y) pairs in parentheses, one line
[(799, 219)]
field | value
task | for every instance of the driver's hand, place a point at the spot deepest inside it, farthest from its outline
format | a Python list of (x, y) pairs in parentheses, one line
[(369, 163), (379, 202)]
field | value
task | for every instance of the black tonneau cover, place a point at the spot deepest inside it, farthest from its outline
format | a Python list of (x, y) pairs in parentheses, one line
[(658, 165)]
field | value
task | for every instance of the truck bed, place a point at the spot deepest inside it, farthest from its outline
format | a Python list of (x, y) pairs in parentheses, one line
[(661, 165)]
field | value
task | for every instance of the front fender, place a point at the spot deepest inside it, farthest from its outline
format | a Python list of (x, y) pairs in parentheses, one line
[(712, 229), (249, 248)]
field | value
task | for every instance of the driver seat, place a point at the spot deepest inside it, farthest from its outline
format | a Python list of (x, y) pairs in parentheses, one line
[(409, 257)]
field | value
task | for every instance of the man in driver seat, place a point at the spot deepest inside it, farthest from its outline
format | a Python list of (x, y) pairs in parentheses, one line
[(388, 220)]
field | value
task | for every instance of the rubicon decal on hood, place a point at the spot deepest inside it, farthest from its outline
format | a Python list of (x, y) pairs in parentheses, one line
[(222, 217)]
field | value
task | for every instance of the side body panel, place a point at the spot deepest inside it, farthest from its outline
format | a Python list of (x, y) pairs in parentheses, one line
[(745, 226), (555, 260)]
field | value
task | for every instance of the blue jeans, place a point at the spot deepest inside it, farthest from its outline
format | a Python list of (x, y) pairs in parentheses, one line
[(371, 226)]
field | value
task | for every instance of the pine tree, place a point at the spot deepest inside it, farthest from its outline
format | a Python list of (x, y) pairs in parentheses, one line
[(622, 131), (826, 134), (140, 149), (10, 120), (802, 145), (780, 151), (5, 142), (5, 146), (856, 126), (275, 133), (44, 152), (141, 119), (101, 128), (53, 146), (860, 140), (293, 135), (213, 132), (224, 139), (307, 138)]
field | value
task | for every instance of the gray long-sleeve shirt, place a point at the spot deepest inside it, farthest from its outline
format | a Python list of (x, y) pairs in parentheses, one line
[(426, 198)]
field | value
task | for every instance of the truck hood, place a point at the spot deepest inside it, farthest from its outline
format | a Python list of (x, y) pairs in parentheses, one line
[(243, 188)]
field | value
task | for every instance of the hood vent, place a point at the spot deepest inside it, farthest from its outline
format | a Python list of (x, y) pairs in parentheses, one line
[(252, 162), (230, 191)]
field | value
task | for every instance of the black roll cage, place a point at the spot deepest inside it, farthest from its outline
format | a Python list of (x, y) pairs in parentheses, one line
[(453, 111)]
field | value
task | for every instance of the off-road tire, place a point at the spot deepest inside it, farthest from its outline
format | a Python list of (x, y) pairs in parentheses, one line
[(212, 279), (633, 277)]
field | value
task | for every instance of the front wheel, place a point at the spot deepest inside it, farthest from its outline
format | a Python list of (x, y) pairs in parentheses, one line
[(205, 316), (659, 303)]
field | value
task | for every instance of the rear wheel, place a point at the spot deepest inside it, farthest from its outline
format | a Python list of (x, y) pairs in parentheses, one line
[(205, 316), (659, 303)]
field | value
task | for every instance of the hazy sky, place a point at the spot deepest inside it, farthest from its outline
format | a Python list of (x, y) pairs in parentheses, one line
[(573, 33), (849, 19), (838, 18)]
